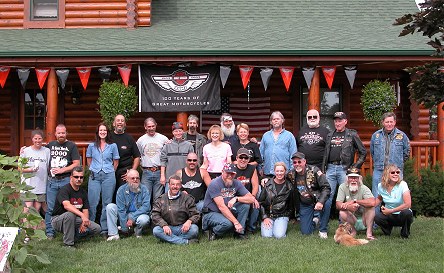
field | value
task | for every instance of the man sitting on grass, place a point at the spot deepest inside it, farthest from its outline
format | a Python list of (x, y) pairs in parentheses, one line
[(132, 208), (175, 215), (226, 205), (355, 203), (70, 215)]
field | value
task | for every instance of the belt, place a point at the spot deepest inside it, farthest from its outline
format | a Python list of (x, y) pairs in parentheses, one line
[(335, 162), (61, 176), (153, 169)]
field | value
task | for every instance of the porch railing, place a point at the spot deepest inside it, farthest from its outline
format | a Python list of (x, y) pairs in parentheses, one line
[(424, 153)]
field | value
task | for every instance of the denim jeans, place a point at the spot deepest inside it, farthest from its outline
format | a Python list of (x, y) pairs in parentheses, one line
[(100, 183), (336, 175), (306, 213), (176, 237), (152, 182), (199, 205), (52, 188), (252, 218), (217, 222), (278, 228), (112, 220)]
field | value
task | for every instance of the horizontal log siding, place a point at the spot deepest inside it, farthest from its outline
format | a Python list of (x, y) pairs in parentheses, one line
[(83, 14), (6, 118)]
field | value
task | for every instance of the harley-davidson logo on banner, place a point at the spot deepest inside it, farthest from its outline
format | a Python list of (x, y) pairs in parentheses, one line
[(177, 89)]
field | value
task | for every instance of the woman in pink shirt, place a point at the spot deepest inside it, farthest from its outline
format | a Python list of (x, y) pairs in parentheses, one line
[(216, 153)]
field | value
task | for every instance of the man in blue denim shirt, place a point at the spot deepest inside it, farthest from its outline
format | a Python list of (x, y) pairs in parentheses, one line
[(388, 145), (277, 145), (132, 208)]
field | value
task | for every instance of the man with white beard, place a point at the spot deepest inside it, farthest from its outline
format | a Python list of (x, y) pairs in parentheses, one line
[(311, 189), (132, 208), (228, 128), (311, 139), (355, 203)]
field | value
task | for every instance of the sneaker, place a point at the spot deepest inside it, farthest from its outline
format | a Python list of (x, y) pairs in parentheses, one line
[(50, 237), (323, 235), (69, 246), (113, 237), (138, 236), (211, 235), (239, 236), (316, 222)]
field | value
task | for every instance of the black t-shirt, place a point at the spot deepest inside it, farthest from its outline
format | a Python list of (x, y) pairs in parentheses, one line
[(195, 185), (245, 175), (311, 142), (127, 149), (192, 140), (337, 139), (78, 199), (278, 186), (253, 148), (62, 155)]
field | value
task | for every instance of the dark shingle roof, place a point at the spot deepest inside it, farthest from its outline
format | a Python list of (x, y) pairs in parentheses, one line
[(236, 27)]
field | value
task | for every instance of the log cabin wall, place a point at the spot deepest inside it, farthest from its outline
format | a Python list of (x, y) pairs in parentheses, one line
[(84, 14)]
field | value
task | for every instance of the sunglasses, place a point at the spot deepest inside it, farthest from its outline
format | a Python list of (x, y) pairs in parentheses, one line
[(192, 160), (312, 117), (244, 157), (397, 172), (297, 161), (78, 176), (134, 178)]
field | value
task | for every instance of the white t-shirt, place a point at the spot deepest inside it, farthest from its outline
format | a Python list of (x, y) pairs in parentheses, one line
[(38, 181), (150, 147)]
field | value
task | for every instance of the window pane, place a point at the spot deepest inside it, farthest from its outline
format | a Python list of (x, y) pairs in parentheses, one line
[(35, 109), (44, 9), (330, 103)]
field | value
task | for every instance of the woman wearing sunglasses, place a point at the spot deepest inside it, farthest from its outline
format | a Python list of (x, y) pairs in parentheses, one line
[(395, 194)]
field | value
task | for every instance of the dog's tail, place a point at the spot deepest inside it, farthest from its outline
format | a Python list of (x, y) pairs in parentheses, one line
[(363, 241)]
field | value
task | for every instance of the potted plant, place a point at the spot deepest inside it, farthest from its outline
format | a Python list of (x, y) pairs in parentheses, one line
[(377, 98), (115, 98)]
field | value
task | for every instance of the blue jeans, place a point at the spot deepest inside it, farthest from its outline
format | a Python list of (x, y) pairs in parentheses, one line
[(336, 175), (278, 228), (52, 188), (199, 205), (100, 183), (152, 182), (177, 237), (306, 213), (252, 218), (112, 218), (376, 179), (221, 225)]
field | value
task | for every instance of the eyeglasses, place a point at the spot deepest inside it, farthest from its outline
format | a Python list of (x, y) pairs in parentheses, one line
[(134, 178), (312, 117), (397, 172), (78, 176), (297, 161), (244, 157), (192, 160)]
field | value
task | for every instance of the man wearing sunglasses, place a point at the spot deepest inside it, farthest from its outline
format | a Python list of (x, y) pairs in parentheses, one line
[(247, 175), (70, 215), (194, 180)]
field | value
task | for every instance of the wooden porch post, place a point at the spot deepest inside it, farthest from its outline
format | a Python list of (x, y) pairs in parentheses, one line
[(183, 117), (52, 102), (440, 129), (314, 96)]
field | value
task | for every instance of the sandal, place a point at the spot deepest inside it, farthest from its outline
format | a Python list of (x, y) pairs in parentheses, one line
[(371, 238)]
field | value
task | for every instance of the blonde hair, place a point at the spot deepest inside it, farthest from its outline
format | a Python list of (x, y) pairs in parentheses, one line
[(386, 175), (280, 163), (242, 126), (215, 127)]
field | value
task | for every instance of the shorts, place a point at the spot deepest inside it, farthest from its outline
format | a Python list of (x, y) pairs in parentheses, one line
[(40, 198), (359, 225)]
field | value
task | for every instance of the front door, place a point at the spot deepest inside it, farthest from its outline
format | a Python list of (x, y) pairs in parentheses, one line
[(33, 114)]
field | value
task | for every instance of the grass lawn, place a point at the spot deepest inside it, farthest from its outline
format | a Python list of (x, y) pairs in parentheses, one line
[(423, 252)]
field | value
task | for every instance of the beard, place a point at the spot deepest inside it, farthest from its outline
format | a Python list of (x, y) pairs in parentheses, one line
[(299, 169), (353, 187), (134, 187), (228, 131), (119, 130), (313, 124), (192, 128)]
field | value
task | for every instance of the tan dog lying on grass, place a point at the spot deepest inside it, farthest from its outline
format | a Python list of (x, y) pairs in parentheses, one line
[(343, 236)]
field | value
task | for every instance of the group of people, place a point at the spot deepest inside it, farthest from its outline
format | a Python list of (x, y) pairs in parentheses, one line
[(226, 181)]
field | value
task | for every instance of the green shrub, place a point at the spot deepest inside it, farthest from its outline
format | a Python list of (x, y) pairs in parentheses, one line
[(377, 98)]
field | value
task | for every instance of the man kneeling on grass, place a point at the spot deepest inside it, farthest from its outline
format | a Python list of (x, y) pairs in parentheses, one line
[(70, 215), (226, 205), (355, 203), (175, 215), (131, 209)]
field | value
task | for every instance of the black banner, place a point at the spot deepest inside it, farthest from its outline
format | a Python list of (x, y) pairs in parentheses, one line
[(177, 89)]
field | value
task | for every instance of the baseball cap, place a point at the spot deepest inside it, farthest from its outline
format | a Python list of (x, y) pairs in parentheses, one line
[(229, 168), (177, 125), (340, 115), (298, 155), (353, 171), (243, 151)]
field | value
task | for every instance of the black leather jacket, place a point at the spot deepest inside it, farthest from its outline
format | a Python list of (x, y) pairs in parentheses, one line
[(352, 142), (276, 204), (316, 185)]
